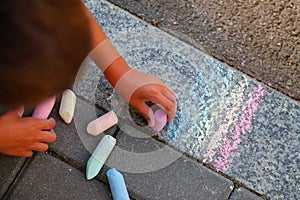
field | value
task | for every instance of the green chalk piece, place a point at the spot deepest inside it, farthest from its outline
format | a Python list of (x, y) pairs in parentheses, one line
[(99, 156)]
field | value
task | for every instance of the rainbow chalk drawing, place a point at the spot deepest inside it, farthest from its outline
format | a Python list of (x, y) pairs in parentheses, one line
[(230, 148), (219, 136)]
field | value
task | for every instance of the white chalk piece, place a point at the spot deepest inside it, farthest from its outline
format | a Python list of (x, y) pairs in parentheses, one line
[(43, 109), (67, 106), (102, 123), (99, 156), (117, 185)]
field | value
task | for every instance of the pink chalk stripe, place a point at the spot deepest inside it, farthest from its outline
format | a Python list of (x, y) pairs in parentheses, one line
[(229, 150)]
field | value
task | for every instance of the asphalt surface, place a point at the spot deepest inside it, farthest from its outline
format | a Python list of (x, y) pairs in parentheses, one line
[(260, 37)]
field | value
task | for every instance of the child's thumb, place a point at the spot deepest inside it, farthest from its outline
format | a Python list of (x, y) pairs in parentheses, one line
[(19, 111), (147, 113)]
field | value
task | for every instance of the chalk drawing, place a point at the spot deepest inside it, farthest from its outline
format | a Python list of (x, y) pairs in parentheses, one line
[(219, 136), (229, 150)]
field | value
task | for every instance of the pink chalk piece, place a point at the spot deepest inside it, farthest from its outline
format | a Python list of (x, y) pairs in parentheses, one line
[(102, 123), (43, 109), (160, 117)]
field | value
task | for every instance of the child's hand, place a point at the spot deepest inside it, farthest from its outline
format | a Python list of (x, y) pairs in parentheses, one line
[(138, 88), (157, 94), (21, 136)]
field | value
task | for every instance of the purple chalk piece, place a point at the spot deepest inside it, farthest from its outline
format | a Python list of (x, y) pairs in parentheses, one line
[(43, 109), (160, 117)]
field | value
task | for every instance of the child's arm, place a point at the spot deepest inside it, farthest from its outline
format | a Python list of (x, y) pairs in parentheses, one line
[(21, 136), (148, 88)]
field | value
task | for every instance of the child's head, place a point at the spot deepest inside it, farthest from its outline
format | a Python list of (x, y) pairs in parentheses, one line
[(42, 44)]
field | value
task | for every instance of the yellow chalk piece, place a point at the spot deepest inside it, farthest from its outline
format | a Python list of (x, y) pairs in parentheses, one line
[(102, 123), (67, 106)]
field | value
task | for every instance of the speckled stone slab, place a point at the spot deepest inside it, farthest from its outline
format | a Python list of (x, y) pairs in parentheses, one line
[(242, 193), (49, 178), (224, 118)]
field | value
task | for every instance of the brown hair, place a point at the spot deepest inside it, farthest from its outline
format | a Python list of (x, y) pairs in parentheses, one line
[(42, 45)]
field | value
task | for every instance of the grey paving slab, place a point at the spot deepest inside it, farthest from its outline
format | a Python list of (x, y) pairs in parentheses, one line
[(143, 178), (70, 136), (224, 118), (10, 168), (180, 178), (242, 193), (261, 38), (49, 178)]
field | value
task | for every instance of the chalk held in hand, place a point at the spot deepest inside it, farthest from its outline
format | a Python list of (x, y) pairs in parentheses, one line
[(160, 118), (102, 123), (43, 109), (99, 156), (117, 185), (67, 106)]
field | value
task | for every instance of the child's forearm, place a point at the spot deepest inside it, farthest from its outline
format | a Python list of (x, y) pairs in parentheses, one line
[(135, 87), (96, 32), (119, 66)]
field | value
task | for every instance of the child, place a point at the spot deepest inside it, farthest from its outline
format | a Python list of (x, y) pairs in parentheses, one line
[(43, 44)]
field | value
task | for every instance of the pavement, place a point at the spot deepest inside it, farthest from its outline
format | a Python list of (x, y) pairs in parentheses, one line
[(233, 137), (261, 38)]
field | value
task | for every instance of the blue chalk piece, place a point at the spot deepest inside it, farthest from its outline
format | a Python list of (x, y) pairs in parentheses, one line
[(117, 185)]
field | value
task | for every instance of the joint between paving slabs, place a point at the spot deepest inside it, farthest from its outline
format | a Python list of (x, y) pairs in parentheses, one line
[(73, 163), (62, 157), (12, 186), (99, 107), (100, 177), (237, 184)]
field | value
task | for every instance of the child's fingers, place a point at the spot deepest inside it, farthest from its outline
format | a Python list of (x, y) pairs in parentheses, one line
[(146, 112), (168, 93), (168, 103), (47, 136), (170, 107), (39, 146), (19, 111), (44, 124), (26, 154)]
